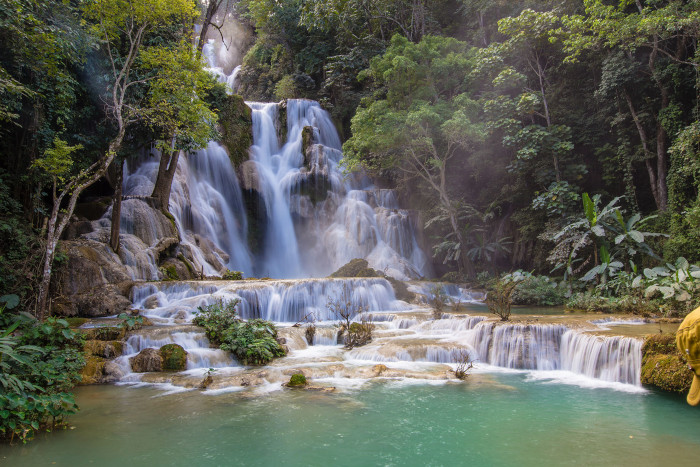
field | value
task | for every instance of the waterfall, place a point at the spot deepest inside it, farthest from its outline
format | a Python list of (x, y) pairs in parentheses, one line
[(555, 347), (312, 207)]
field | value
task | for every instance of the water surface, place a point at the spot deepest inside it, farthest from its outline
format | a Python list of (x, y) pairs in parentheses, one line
[(493, 419)]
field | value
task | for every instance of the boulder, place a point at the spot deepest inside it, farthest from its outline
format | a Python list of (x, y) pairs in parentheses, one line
[(298, 380), (174, 357), (663, 365), (93, 281), (104, 349), (93, 371), (147, 360), (112, 372)]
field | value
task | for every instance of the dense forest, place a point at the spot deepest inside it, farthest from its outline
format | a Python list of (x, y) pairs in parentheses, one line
[(558, 138), (496, 120)]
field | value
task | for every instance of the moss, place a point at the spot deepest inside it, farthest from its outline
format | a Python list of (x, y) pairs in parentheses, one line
[(105, 333), (169, 273), (663, 365), (76, 322), (105, 349), (297, 380), (357, 267), (93, 370), (174, 357), (236, 124), (307, 139), (187, 264)]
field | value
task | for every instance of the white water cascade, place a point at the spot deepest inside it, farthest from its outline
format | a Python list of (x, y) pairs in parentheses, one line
[(313, 219)]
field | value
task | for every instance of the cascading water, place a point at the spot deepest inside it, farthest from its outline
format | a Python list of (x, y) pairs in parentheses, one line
[(313, 220)]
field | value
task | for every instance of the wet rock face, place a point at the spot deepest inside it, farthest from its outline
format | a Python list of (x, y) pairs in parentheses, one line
[(236, 126), (148, 360), (174, 357), (93, 282)]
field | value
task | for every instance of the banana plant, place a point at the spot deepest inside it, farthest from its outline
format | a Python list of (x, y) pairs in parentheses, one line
[(679, 281), (605, 269)]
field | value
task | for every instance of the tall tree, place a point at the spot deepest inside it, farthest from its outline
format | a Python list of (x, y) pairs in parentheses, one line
[(421, 125), (121, 26)]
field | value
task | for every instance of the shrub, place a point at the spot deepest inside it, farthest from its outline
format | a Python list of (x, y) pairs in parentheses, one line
[(354, 334), (232, 276), (539, 290), (252, 342), (438, 299), (464, 363), (500, 297), (39, 363)]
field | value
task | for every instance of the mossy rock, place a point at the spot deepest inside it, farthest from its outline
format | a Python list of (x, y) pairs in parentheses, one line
[(188, 265), (104, 349), (174, 357), (104, 333), (401, 290), (93, 371), (298, 380), (357, 267), (667, 372), (148, 360), (76, 322), (236, 124), (663, 365), (169, 273), (307, 139)]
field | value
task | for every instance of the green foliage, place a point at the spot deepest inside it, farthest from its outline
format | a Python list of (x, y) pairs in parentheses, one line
[(500, 297), (252, 342), (39, 363), (130, 322), (232, 276), (169, 273), (539, 290)]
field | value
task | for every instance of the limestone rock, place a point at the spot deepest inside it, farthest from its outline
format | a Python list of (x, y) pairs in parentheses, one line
[(147, 360), (104, 349), (112, 372), (93, 370), (93, 281), (174, 357), (663, 365)]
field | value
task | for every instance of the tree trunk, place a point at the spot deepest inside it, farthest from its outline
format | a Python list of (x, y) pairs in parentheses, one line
[(465, 265), (117, 209), (55, 226), (662, 157), (212, 9), (164, 181)]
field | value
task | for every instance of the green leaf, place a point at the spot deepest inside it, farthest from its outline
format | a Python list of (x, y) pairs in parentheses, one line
[(11, 301), (636, 236), (589, 209)]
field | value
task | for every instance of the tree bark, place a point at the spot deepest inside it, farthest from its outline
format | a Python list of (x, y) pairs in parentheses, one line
[(212, 9), (117, 209), (164, 180), (55, 226)]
